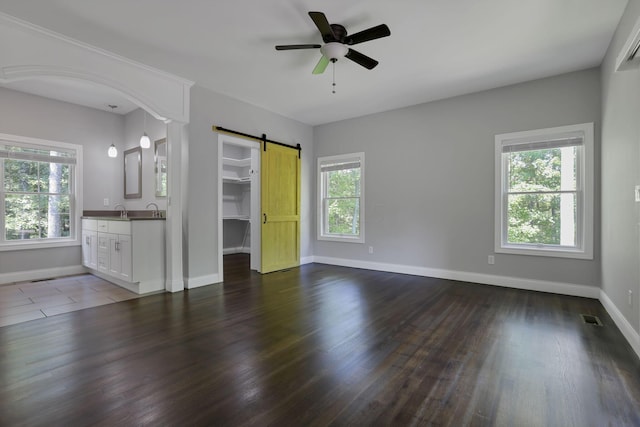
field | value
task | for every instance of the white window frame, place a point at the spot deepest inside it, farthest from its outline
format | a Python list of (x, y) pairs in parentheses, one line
[(584, 187), (321, 222), (75, 204)]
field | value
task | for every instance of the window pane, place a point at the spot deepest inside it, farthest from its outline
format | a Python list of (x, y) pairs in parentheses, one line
[(58, 214), (54, 178), (542, 170), (343, 216), (547, 219), (36, 216), (23, 216), (20, 175), (343, 183)]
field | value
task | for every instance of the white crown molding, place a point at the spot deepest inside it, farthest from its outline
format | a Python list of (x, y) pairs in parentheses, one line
[(42, 53), (52, 34)]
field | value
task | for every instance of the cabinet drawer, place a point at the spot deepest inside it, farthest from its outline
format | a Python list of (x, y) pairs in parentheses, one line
[(120, 227), (90, 224), (103, 226)]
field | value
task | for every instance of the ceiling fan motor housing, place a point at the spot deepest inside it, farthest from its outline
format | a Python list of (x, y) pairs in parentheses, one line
[(339, 33)]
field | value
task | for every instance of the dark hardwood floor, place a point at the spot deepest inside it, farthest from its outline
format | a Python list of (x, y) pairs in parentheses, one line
[(322, 345)]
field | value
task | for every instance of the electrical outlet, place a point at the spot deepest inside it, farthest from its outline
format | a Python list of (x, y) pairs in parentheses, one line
[(105, 202), (630, 297), (637, 193), (491, 260), (370, 249)]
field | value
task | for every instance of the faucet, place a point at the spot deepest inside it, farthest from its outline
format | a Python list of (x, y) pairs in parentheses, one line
[(156, 212), (123, 211)]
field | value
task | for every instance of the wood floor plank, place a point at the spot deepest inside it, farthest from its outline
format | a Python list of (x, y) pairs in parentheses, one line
[(322, 345)]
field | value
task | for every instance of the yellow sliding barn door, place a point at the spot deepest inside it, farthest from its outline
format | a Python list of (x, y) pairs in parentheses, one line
[(280, 194)]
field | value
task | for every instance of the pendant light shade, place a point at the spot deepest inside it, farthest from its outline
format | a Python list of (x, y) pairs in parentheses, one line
[(112, 151), (145, 142)]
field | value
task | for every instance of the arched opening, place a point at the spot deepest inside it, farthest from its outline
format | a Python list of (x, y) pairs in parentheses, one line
[(45, 56)]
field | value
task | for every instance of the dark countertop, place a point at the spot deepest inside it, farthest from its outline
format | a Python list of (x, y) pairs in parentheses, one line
[(118, 218), (131, 215)]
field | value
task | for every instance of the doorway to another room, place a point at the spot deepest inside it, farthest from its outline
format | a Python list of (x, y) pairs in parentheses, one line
[(239, 204)]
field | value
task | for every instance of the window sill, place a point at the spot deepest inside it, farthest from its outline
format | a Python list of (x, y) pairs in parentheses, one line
[(26, 245), (545, 251), (344, 239)]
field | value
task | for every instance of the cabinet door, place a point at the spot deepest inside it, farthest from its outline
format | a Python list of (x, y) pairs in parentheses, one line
[(103, 252), (114, 255), (90, 249), (86, 248), (124, 250)]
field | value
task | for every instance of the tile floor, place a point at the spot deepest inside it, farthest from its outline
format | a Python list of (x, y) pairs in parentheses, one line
[(24, 301)]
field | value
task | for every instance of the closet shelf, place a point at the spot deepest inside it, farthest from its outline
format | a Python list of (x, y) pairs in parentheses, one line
[(237, 217), (236, 162), (235, 180)]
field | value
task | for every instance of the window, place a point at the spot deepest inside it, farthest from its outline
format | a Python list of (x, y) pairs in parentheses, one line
[(341, 198), (38, 196), (544, 192)]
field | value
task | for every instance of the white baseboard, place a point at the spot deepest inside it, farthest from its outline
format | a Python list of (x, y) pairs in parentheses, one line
[(306, 260), (621, 322), (45, 273), (237, 250), (486, 279), (196, 282)]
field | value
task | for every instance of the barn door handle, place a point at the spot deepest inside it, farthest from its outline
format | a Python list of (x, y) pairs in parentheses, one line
[(265, 218)]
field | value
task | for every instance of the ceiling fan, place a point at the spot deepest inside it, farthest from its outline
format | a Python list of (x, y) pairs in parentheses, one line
[(337, 41)]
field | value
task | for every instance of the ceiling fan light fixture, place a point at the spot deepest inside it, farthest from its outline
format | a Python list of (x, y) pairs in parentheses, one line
[(334, 50)]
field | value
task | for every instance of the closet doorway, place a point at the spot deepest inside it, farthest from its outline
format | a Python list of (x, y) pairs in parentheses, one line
[(239, 201)]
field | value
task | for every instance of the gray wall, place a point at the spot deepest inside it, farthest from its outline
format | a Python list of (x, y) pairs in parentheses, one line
[(429, 198), (37, 117), (133, 128), (208, 109), (620, 174)]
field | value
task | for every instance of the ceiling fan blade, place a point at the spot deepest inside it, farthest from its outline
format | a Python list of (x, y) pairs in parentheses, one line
[(361, 59), (323, 25), (297, 46), (322, 65), (369, 34)]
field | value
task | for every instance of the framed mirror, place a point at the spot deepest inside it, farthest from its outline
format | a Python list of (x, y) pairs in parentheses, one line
[(133, 173), (160, 160)]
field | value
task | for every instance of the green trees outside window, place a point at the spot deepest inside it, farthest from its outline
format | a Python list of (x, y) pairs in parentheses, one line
[(542, 196), (38, 191), (343, 201), (37, 199), (544, 192), (341, 198)]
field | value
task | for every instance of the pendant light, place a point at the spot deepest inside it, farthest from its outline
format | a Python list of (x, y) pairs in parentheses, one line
[(112, 151), (145, 142)]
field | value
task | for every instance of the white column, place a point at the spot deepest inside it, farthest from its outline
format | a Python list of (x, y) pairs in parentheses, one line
[(176, 140)]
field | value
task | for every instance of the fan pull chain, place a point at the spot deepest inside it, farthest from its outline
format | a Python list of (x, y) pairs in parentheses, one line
[(334, 77)]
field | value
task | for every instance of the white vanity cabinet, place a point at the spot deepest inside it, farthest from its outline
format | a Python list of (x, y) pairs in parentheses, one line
[(129, 253)]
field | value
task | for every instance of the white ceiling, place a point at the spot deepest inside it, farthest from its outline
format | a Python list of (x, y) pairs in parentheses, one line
[(437, 48)]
